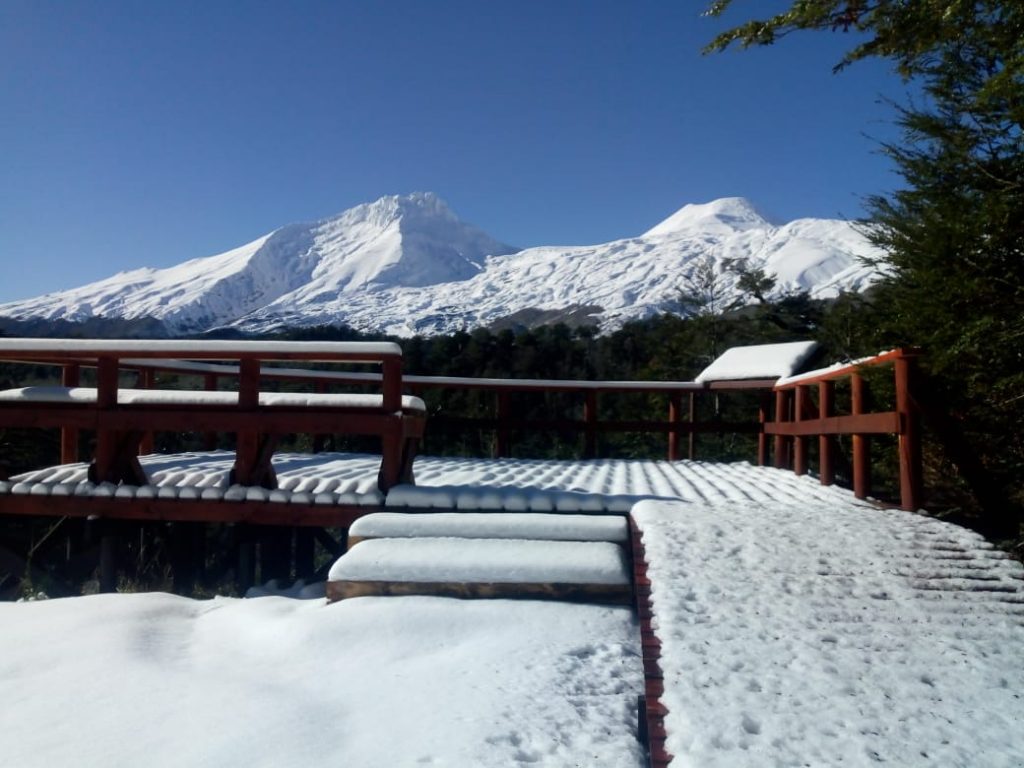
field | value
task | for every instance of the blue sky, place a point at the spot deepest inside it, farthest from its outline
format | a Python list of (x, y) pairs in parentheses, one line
[(145, 133)]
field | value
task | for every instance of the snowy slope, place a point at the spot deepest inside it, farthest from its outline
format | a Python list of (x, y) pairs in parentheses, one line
[(407, 265)]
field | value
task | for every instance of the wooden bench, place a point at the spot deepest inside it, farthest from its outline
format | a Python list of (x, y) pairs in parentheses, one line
[(122, 417)]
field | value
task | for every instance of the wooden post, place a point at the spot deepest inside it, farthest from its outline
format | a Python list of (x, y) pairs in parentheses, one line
[(248, 440), (910, 435), (590, 418), (691, 451), (147, 380), (502, 440), (103, 469), (70, 377), (861, 446), (781, 415), (826, 443), (210, 438), (800, 441), (675, 406), (763, 407), (392, 374)]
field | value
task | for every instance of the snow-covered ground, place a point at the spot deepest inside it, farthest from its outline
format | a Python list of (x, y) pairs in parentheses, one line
[(799, 627), (158, 680)]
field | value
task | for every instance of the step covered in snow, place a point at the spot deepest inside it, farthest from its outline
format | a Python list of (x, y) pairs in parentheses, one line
[(593, 571), (490, 525)]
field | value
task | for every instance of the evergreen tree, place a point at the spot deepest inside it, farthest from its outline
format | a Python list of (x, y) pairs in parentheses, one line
[(953, 282)]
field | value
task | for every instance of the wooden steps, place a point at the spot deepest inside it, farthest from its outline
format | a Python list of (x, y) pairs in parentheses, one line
[(576, 558)]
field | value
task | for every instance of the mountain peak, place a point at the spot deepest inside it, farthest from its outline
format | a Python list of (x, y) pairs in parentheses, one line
[(418, 206), (731, 213)]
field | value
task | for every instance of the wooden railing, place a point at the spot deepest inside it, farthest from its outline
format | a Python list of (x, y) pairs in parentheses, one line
[(798, 418), (124, 419), (790, 412)]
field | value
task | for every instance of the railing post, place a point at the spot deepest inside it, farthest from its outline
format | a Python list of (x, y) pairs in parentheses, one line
[(107, 369), (247, 441), (147, 380), (691, 451), (590, 419), (826, 443), (392, 375), (675, 407), (781, 415), (210, 438), (70, 377), (861, 446), (503, 441), (763, 408), (800, 441), (910, 436)]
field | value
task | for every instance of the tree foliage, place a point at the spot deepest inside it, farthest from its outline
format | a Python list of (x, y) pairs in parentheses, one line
[(953, 282)]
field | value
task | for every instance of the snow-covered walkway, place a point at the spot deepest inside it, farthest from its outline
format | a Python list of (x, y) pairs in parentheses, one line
[(831, 633), (798, 626)]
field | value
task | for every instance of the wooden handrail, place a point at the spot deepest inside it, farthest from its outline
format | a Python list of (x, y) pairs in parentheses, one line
[(796, 417), (122, 428), (794, 423)]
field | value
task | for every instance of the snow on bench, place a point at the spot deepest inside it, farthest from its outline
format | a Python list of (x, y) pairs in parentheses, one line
[(489, 525), (88, 395), (592, 571)]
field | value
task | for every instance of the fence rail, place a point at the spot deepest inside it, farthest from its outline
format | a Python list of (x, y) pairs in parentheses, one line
[(789, 412)]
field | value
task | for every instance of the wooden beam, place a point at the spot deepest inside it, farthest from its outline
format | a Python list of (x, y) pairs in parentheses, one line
[(800, 440), (775, 428), (910, 435), (70, 377), (675, 406), (826, 443), (861, 447), (887, 423)]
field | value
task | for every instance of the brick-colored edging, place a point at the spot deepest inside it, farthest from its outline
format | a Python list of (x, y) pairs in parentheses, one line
[(652, 711)]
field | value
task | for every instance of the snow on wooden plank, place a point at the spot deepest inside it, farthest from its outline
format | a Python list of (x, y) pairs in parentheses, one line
[(87, 395), (482, 560), (760, 361), (208, 350), (477, 525)]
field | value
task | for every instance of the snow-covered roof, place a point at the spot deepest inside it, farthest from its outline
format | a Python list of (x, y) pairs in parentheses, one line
[(760, 361)]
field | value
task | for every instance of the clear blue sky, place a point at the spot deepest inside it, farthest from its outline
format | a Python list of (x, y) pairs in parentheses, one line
[(148, 132)]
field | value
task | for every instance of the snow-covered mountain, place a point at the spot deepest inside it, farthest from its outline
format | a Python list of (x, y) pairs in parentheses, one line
[(406, 265)]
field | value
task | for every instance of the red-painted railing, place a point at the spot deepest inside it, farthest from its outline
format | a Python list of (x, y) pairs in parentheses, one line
[(797, 418), (790, 412)]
